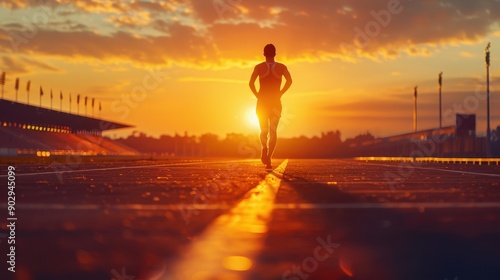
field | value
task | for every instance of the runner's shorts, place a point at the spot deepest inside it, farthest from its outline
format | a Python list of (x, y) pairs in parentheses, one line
[(269, 109)]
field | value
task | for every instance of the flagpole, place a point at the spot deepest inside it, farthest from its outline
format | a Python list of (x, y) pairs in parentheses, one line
[(28, 86), (70, 102), (415, 108), (440, 100), (60, 101), (488, 133), (51, 97)]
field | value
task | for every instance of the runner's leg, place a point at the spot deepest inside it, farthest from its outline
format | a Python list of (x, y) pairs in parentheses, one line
[(264, 131), (273, 136)]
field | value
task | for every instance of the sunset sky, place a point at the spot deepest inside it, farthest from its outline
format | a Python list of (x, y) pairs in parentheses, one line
[(176, 66)]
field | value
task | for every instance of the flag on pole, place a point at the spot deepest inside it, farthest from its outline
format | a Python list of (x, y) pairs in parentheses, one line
[(93, 99), (17, 87), (86, 97), (415, 91), (100, 108), (487, 54), (60, 95), (78, 104), (28, 86), (440, 79), (41, 94)]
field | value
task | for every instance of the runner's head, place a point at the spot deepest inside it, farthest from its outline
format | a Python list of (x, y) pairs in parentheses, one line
[(269, 50)]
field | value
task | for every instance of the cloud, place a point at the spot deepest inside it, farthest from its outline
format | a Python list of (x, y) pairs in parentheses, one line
[(225, 33), (324, 29), (14, 4), (182, 47), (120, 7), (136, 20), (468, 54), (66, 25), (93, 6), (22, 65)]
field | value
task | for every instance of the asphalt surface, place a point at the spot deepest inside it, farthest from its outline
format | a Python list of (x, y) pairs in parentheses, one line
[(230, 219)]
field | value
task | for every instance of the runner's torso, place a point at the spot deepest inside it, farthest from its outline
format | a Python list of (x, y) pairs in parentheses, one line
[(270, 82)]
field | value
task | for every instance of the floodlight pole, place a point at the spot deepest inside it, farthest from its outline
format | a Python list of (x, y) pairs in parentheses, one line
[(488, 130)]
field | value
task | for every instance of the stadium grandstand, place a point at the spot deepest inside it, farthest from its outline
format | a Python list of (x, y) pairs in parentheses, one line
[(36, 131), (450, 141)]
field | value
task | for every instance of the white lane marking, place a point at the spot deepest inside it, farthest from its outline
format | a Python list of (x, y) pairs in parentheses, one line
[(126, 167), (388, 205), (432, 159), (126, 207), (437, 169), (228, 247), (176, 207)]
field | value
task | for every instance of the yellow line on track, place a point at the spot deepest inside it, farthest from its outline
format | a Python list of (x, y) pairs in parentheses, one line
[(228, 247)]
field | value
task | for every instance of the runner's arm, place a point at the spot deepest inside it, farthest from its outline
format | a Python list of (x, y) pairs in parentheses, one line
[(288, 79), (254, 76)]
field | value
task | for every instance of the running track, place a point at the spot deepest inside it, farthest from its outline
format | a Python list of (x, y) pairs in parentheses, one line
[(229, 219)]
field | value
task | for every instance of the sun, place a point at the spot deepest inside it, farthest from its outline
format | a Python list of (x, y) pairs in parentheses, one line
[(251, 118)]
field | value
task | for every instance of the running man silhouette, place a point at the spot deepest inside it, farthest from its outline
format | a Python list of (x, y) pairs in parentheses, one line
[(268, 96)]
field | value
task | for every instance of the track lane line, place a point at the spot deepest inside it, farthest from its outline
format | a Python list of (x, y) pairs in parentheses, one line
[(201, 207), (229, 245), (435, 169), (389, 205), (126, 167)]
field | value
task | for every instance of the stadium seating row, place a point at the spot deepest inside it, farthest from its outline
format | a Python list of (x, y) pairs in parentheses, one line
[(28, 141)]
